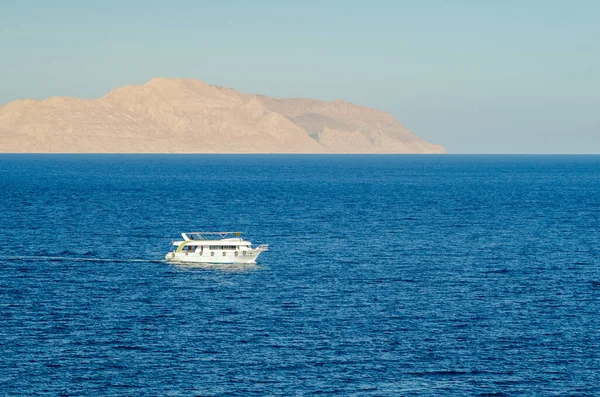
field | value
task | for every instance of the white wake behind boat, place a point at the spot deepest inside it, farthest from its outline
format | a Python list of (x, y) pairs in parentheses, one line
[(214, 247)]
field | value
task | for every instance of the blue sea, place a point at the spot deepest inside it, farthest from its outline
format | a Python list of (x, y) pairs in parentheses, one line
[(386, 276)]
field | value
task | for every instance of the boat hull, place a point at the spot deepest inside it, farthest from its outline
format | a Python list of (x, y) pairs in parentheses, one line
[(216, 257)]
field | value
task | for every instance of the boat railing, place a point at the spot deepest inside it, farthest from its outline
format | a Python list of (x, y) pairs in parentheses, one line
[(263, 247)]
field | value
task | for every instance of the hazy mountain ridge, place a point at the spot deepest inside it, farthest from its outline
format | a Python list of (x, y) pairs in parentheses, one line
[(190, 116)]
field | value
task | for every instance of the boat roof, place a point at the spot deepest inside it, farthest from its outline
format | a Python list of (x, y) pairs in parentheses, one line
[(209, 235), (225, 241)]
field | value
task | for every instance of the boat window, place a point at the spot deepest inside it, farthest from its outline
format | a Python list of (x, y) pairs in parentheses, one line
[(223, 247)]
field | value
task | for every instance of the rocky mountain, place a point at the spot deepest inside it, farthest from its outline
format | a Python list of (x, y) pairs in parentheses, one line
[(189, 116)]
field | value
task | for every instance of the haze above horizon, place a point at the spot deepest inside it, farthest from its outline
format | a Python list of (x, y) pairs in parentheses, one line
[(516, 77)]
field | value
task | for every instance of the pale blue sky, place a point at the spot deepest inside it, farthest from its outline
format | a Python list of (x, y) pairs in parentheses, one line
[(474, 76)]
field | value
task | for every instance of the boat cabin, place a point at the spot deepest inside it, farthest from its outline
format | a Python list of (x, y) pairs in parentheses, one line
[(211, 241)]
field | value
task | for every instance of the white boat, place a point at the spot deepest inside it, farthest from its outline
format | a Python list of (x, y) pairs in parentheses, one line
[(214, 247)]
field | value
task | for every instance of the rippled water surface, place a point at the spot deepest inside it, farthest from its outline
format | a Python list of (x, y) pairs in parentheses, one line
[(387, 275)]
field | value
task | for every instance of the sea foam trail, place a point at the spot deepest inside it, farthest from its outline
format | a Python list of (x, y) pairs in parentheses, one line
[(75, 259)]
